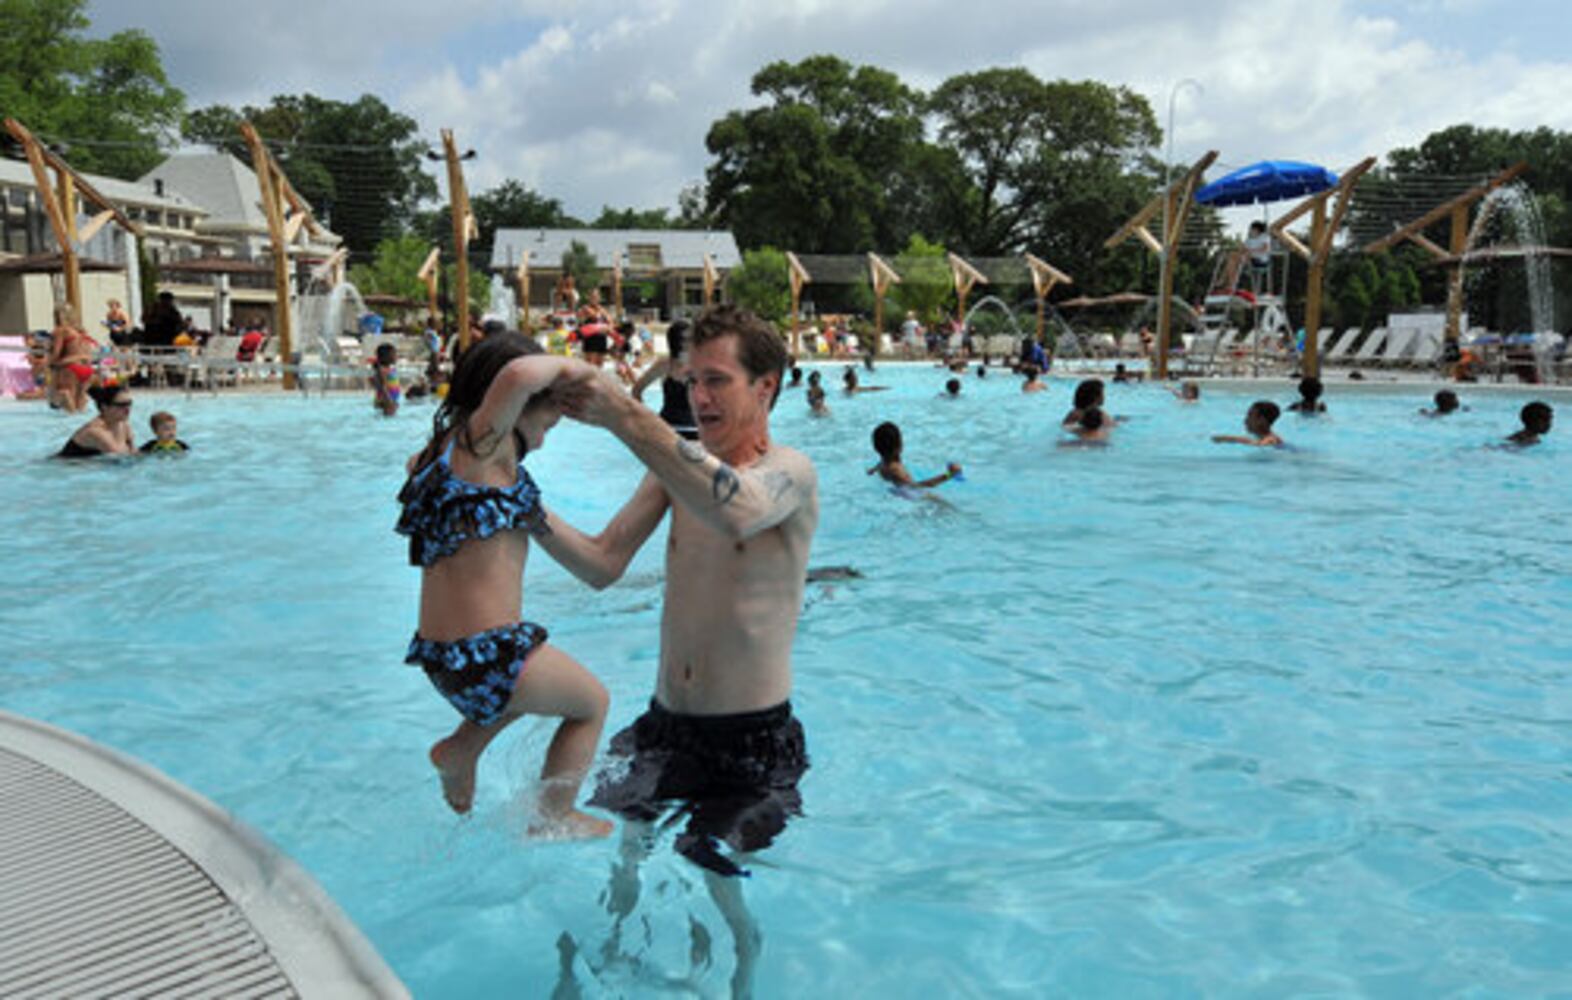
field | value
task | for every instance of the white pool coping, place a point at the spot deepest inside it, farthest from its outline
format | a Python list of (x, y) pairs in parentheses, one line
[(115, 880)]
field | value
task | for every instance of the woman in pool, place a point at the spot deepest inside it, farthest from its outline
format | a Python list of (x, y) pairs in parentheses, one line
[(1258, 421), (672, 371), (109, 433), (469, 509)]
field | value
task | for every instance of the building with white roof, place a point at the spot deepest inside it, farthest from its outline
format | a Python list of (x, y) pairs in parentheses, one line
[(669, 262)]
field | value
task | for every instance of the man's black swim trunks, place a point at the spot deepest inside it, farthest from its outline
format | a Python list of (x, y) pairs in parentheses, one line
[(735, 776)]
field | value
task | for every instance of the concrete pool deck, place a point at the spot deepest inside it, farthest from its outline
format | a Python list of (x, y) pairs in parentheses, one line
[(117, 881)]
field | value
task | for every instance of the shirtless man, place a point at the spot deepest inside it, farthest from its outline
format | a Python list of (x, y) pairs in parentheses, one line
[(719, 740)]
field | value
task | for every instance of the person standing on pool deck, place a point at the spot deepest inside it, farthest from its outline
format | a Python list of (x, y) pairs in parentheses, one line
[(719, 741)]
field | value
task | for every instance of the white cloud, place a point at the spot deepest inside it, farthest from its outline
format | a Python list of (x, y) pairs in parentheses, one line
[(604, 102)]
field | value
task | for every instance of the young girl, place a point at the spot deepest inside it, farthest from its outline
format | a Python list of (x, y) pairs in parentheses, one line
[(469, 509), (384, 380)]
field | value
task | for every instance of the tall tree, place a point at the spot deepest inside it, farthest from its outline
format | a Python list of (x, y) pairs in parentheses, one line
[(358, 164), (107, 98), (632, 218), (812, 169), (1041, 154), (762, 284)]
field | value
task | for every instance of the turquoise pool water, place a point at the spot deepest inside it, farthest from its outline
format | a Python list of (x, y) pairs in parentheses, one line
[(1162, 719)]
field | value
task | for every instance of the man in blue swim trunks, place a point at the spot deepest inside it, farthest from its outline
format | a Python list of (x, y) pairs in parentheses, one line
[(719, 743)]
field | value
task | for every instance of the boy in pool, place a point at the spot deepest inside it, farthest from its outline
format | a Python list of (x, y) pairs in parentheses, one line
[(816, 405), (1446, 402), (1258, 421), (887, 444), (1188, 392), (1536, 417), (1309, 401), (1032, 383), (469, 510), (384, 380), (165, 440), (952, 389)]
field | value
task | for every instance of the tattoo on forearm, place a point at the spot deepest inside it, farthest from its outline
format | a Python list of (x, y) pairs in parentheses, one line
[(725, 485), (778, 484), (691, 450)]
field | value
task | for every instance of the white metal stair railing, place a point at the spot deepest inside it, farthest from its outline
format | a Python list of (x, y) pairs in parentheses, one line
[(157, 894)]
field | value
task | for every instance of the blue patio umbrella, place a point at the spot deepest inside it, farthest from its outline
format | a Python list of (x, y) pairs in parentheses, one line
[(1269, 180)]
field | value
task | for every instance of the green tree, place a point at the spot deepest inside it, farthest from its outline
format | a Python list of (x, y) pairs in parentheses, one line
[(358, 164), (926, 287), (1056, 165), (394, 268), (578, 261), (812, 169), (632, 218), (762, 284), (108, 100)]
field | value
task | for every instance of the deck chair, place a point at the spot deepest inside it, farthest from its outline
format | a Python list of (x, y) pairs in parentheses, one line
[(1427, 349), (1341, 347), (1374, 341), (1399, 344), (1200, 355)]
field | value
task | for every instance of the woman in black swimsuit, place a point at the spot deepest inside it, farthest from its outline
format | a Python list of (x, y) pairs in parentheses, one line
[(109, 433), (672, 370)]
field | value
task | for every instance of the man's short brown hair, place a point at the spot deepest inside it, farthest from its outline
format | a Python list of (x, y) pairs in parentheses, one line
[(759, 348)]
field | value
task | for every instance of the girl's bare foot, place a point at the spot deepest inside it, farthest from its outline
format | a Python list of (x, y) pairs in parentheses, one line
[(573, 825), (456, 767)]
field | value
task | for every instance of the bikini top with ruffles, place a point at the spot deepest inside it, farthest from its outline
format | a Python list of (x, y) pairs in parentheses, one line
[(442, 511)]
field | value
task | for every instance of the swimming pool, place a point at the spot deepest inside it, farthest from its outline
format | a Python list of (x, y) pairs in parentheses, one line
[(1162, 719)]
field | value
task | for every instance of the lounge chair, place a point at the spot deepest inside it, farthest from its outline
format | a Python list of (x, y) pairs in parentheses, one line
[(1339, 349), (1399, 344), (1373, 342)]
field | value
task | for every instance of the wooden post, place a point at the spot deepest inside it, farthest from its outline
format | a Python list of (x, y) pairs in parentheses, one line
[(711, 278), (616, 282), (428, 274), (965, 276), (1177, 199), (72, 263), (268, 179), (1458, 244), (1318, 236), (798, 276), (523, 276), (1044, 277), (458, 207), (882, 276)]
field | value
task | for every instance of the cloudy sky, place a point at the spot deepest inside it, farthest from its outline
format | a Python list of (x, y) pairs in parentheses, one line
[(598, 103)]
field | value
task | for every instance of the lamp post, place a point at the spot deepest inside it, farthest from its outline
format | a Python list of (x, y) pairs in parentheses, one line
[(1169, 239)]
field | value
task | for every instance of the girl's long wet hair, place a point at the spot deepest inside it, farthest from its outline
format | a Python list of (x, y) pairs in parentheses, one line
[(477, 368)]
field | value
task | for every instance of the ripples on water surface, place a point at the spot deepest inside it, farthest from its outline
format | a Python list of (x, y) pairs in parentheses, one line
[(1162, 719)]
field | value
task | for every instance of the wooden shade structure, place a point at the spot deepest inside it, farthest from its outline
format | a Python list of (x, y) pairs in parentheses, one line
[(60, 205), (1323, 228), (286, 213), (883, 276), (798, 276), (965, 276), (463, 227), (1174, 207), (1457, 210), (1044, 277)]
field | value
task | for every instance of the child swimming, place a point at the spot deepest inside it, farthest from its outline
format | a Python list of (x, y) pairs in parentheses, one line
[(1537, 417), (469, 509), (887, 444), (166, 440), (384, 380), (1258, 421)]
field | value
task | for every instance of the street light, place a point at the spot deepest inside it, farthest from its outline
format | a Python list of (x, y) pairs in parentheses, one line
[(1168, 161)]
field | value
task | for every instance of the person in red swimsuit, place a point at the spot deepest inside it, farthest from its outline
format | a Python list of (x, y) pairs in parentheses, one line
[(71, 360)]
